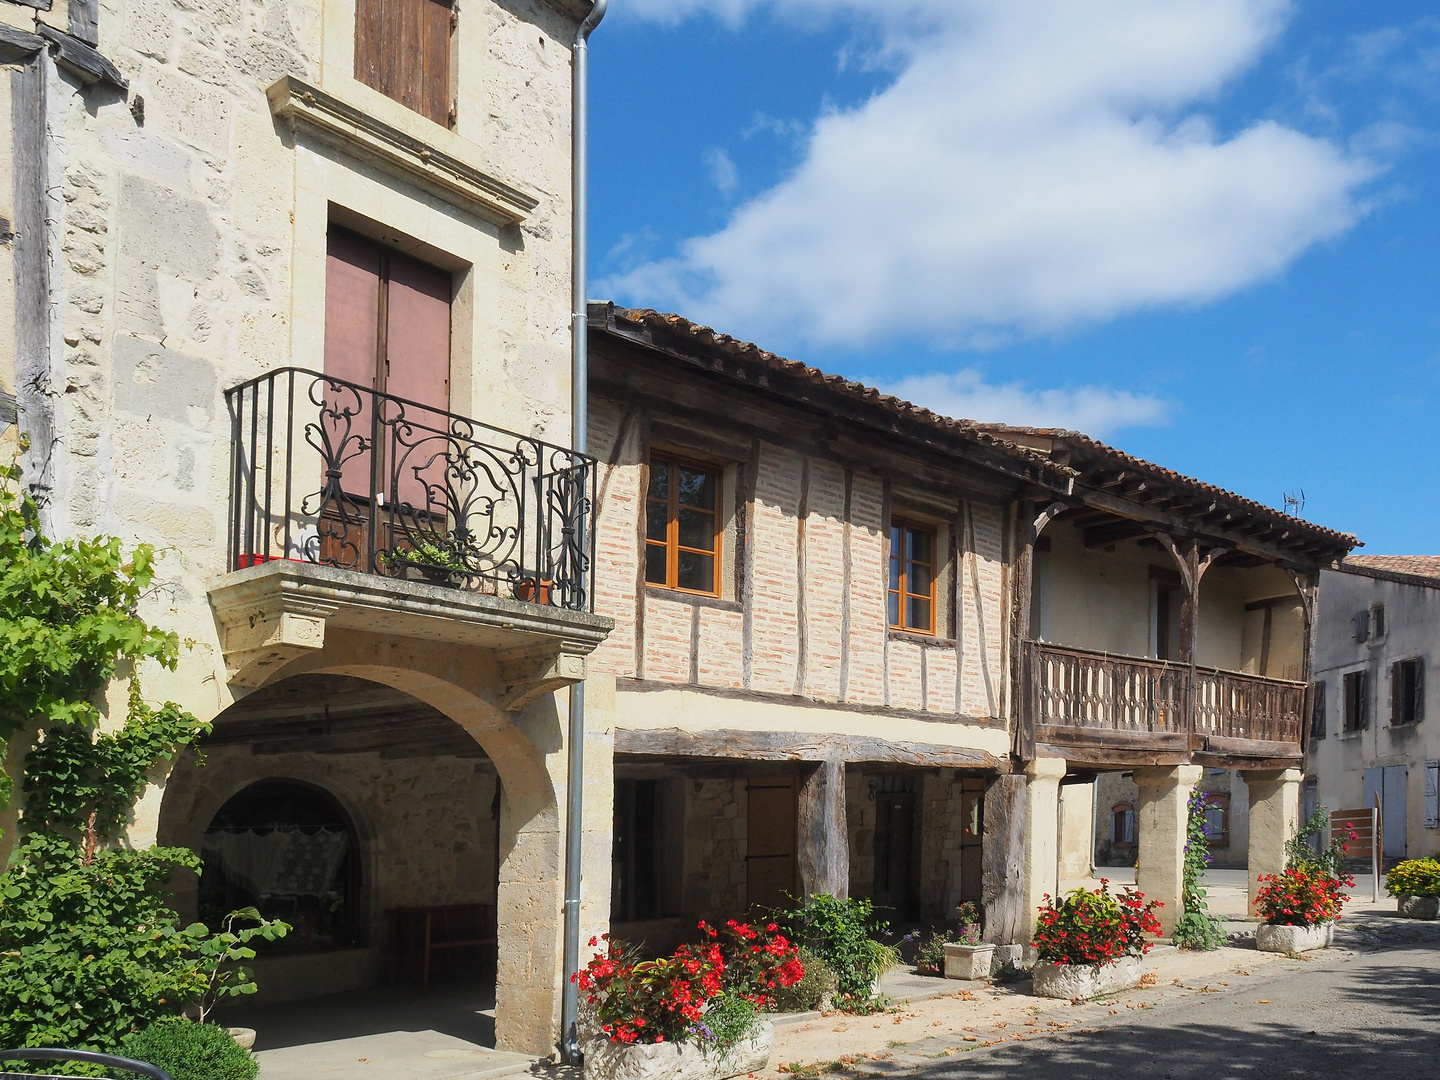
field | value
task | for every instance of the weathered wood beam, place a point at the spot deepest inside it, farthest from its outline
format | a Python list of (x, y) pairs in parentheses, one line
[(1158, 741), (822, 833), (1115, 532), (796, 746), (1002, 861)]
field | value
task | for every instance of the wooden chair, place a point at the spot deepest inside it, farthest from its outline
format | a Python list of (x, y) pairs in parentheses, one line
[(417, 934)]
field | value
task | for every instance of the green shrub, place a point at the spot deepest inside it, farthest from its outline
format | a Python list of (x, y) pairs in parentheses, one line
[(730, 1018), (1414, 877), (930, 956), (812, 991), (846, 935), (190, 1051)]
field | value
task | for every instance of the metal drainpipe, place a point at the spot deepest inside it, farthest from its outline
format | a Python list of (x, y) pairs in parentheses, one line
[(579, 411)]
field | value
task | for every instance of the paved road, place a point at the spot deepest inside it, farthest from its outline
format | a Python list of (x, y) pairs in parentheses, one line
[(1372, 1016)]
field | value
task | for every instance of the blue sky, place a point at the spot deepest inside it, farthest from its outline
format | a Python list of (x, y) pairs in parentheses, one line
[(1207, 231)]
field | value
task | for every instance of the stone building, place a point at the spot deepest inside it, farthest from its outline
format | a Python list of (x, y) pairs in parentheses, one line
[(1373, 734), (864, 649), (289, 285)]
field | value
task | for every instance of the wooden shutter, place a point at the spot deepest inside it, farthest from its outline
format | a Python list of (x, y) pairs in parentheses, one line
[(1419, 689), (417, 367), (1432, 794), (402, 49), (353, 278), (772, 812)]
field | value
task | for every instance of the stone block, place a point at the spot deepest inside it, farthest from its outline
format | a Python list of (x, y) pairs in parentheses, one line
[(1071, 981), (162, 228), (151, 380), (1294, 939)]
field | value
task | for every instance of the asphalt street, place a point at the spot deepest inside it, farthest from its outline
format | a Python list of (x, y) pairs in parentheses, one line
[(1370, 1016)]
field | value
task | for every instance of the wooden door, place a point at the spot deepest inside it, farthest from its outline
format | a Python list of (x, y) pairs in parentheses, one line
[(894, 886), (770, 863), (972, 810)]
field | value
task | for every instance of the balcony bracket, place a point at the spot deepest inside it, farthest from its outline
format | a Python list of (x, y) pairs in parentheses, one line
[(526, 675), (270, 632)]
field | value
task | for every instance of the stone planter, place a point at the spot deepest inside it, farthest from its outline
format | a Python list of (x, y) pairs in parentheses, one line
[(1418, 907), (1071, 981), (606, 1060), (968, 961), (1294, 939), (244, 1036)]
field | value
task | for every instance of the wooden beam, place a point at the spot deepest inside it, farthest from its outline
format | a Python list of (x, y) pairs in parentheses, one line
[(796, 746), (1154, 741), (1116, 531), (1002, 862), (1179, 525), (1112, 757), (822, 834)]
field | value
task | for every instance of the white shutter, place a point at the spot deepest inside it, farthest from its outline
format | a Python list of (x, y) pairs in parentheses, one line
[(1432, 794)]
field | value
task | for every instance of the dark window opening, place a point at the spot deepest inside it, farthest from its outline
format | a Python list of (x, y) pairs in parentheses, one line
[(1407, 686), (1122, 824), (289, 850), (1356, 717), (682, 527), (1317, 713), (912, 577), (634, 886)]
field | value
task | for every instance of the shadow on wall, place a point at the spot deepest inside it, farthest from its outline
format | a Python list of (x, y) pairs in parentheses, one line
[(1400, 1025)]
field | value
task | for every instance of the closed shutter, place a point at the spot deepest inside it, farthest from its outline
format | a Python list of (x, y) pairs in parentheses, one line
[(1432, 794), (402, 49), (1419, 690), (352, 343), (1317, 718)]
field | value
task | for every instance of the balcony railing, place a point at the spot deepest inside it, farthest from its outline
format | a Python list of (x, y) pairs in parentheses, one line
[(330, 472), (1152, 702)]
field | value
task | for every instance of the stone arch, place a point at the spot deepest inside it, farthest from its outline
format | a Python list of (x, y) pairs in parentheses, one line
[(460, 682)]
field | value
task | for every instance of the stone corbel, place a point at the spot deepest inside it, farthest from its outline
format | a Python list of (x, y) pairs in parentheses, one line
[(527, 675), (260, 637)]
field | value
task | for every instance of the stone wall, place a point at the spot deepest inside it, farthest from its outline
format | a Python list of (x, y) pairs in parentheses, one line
[(715, 849)]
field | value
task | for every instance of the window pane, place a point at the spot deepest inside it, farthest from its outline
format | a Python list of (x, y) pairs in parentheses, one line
[(895, 573), (1214, 821), (660, 481), (894, 609), (655, 520), (697, 488), (697, 572), (655, 564), (920, 579), (917, 614), (922, 545), (697, 529)]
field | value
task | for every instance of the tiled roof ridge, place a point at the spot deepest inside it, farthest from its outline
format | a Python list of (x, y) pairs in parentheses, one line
[(1418, 566), (990, 434)]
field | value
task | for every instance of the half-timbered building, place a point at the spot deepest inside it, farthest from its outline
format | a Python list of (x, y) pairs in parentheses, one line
[(864, 649)]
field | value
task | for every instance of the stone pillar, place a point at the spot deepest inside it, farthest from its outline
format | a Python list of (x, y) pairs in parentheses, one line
[(1042, 835), (1160, 835), (1077, 830), (1274, 819), (823, 836)]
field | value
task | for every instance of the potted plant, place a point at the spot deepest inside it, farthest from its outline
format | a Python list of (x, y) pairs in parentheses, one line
[(436, 560), (1415, 884), (1091, 942), (533, 589), (694, 1015), (1299, 908), (968, 957)]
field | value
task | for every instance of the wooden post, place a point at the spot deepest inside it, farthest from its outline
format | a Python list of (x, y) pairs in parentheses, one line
[(1002, 888), (823, 834)]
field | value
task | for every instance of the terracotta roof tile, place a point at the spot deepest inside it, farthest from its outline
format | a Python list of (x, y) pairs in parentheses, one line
[(1427, 566)]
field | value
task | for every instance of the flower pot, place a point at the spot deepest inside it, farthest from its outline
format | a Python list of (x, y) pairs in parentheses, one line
[(245, 1037), (526, 591), (968, 961), (1071, 981), (606, 1060), (1294, 939), (1418, 907)]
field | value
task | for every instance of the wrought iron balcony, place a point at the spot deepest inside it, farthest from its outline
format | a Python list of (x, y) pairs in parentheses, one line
[(329, 472), (1157, 711)]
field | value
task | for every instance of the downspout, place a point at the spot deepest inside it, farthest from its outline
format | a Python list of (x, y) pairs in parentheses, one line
[(579, 412)]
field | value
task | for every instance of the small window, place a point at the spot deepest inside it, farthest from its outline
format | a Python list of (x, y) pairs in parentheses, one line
[(1355, 698), (1317, 711), (682, 527), (1377, 621), (1217, 820), (1407, 691), (912, 577), (402, 49), (1122, 824)]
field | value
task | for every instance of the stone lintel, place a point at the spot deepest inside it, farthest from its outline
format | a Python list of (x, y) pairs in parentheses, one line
[(350, 128), (276, 612)]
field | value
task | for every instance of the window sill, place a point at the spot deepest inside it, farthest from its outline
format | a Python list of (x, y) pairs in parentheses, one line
[(1347, 736), (408, 146), (915, 637), (717, 603)]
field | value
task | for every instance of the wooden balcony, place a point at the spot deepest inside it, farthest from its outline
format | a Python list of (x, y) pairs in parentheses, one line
[(1126, 711)]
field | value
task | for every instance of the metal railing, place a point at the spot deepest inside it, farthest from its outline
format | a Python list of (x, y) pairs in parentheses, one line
[(330, 472), (1081, 689)]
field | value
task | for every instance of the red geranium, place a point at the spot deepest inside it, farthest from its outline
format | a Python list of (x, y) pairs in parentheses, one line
[(1095, 927), (1303, 896)]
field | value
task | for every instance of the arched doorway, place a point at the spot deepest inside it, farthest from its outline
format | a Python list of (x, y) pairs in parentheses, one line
[(288, 849)]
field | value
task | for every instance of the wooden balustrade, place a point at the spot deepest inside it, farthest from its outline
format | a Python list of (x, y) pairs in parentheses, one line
[(1151, 710)]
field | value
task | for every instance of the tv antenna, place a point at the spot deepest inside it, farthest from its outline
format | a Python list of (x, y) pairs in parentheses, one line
[(1295, 502)]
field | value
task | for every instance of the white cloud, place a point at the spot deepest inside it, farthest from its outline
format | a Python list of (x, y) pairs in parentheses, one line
[(723, 173), (1095, 410), (1035, 164)]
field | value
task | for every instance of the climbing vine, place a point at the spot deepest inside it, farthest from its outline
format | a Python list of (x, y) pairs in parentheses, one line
[(90, 949), (1197, 929)]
